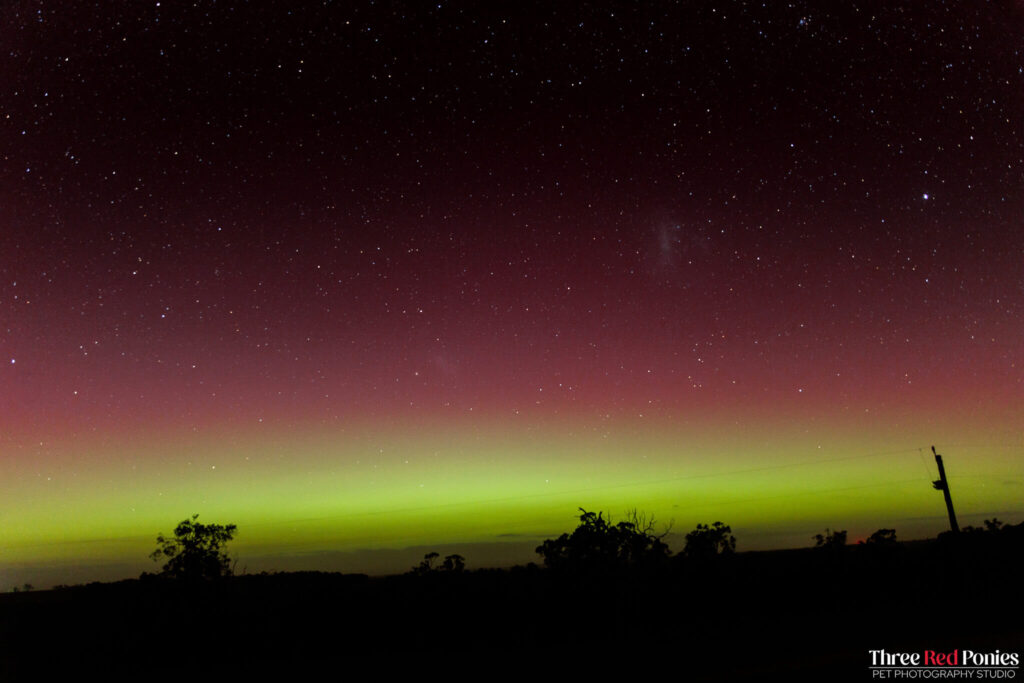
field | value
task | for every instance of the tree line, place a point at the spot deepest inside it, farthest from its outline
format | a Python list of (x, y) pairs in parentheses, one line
[(197, 551)]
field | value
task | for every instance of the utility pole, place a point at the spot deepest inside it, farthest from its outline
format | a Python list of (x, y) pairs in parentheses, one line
[(943, 485)]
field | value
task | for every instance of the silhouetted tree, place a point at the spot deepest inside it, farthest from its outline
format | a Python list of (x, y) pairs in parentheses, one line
[(830, 539), (644, 523), (454, 563), (426, 565), (993, 525), (709, 541), (196, 551), (599, 545), (882, 537)]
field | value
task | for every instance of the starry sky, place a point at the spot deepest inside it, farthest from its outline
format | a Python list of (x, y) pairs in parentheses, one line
[(366, 278)]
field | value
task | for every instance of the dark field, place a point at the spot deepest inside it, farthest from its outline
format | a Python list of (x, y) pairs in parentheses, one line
[(811, 613)]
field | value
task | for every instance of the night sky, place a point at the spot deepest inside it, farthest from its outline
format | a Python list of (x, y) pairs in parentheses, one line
[(364, 277)]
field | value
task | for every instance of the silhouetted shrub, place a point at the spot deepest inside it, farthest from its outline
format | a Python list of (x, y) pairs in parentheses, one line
[(598, 545), (882, 537), (453, 563), (426, 565), (831, 539), (710, 541)]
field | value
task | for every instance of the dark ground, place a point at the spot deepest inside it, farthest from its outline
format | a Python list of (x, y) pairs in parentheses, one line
[(807, 614)]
